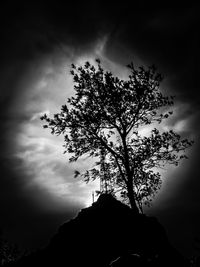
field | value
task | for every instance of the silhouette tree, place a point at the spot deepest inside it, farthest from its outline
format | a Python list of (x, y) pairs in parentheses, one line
[(106, 115)]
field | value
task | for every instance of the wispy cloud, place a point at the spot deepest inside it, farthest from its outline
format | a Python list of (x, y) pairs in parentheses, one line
[(41, 153)]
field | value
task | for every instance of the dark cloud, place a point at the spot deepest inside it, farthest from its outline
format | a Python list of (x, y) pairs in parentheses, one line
[(167, 37)]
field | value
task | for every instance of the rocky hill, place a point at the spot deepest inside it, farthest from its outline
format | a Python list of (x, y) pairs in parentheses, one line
[(107, 233)]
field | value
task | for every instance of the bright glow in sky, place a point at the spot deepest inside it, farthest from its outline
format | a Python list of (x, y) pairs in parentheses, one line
[(46, 87)]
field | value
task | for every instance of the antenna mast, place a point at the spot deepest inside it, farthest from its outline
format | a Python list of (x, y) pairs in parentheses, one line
[(104, 173)]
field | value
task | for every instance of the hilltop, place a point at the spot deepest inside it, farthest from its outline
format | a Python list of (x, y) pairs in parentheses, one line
[(107, 233)]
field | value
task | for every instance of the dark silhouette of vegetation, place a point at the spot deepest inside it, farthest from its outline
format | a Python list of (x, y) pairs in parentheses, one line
[(103, 120), (8, 252)]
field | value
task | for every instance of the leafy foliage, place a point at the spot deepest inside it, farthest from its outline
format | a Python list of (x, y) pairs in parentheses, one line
[(106, 114)]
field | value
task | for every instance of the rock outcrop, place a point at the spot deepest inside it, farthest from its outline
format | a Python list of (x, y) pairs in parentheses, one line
[(107, 233)]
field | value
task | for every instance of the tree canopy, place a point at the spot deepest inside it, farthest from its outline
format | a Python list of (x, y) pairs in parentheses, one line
[(103, 120)]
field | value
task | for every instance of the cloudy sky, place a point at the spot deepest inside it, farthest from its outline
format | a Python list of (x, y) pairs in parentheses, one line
[(38, 45)]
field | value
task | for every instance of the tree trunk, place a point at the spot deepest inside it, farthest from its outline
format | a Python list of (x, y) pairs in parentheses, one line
[(131, 198), (129, 176)]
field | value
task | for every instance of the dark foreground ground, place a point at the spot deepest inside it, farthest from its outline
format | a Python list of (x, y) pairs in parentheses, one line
[(107, 234)]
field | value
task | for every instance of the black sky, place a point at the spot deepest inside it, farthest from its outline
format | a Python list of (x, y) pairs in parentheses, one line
[(167, 37)]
